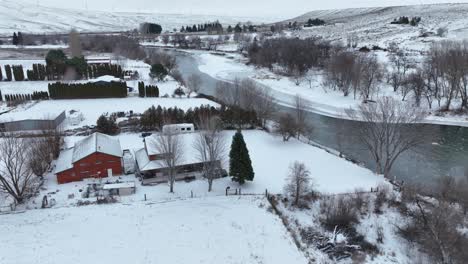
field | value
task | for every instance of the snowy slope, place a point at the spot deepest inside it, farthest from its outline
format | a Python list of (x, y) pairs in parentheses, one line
[(18, 15), (192, 231), (372, 25)]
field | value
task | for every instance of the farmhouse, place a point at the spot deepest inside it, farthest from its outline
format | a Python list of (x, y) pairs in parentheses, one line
[(96, 156), (151, 168)]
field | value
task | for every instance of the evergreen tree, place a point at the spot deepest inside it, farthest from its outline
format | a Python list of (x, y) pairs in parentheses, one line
[(15, 39), (106, 125), (20, 38), (240, 165), (9, 76)]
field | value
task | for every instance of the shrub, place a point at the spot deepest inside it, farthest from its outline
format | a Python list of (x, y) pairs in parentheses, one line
[(158, 71), (338, 212)]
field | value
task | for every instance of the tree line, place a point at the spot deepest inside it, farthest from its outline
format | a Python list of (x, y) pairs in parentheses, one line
[(441, 76), (87, 90), (147, 90), (155, 117), (26, 97), (207, 27)]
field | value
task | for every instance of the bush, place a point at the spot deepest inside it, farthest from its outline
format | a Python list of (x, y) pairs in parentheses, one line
[(338, 212), (158, 71), (107, 125)]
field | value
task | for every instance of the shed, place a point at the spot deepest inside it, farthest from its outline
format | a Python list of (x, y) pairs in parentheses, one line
[(178, 128), (120, 188)]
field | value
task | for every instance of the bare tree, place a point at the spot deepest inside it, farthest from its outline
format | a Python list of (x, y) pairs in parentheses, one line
[(298, 182), (42, 156), (193, 82), (300, 115), (434, 227), (371, 75), (286, 126), (168, 61), (170, 146), (16, 177), (210, 147), (400, 64), (388, 129), (177, 75)]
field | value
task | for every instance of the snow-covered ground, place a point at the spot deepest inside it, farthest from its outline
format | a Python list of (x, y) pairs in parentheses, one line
[(392, 248), (19, 15), (93, 108), (319, 99), (271, 158), (211, 230), (165, 226), (371, 26)]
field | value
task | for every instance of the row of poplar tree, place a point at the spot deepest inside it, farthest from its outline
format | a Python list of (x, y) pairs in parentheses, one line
[(40, 72), (147, 90), (87, 90), (26, 97), (15, 71)]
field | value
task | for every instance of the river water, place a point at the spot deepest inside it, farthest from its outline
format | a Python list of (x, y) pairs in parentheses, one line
[(444, 152)]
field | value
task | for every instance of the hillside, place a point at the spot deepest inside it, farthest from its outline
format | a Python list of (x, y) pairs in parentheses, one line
[(372, 25), (25, 17)]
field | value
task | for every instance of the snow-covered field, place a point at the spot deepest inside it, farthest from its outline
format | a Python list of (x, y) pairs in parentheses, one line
[(371, 26), (18, 15), (175, 228), (271, 158), (93, 108), (214, 230)]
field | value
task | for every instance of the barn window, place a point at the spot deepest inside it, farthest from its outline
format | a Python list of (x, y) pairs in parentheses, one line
[(73, 174), (98, 162), (183, 129), (189, 128), (83, 164)]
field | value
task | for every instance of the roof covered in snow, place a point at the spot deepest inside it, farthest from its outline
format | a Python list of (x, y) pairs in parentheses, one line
[(96, 142), (144, 163), (151, 144), (64, 161)]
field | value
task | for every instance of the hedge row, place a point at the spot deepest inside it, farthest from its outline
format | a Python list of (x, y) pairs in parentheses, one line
[(87, 90)]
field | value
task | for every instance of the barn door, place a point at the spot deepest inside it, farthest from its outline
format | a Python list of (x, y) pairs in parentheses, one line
[(109, 172)]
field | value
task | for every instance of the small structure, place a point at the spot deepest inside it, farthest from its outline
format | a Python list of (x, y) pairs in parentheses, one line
[(128, 162), (33, 121), (98, 60), (119, 188), (96, 156), (75, 117), (178, 128), (150, 166)]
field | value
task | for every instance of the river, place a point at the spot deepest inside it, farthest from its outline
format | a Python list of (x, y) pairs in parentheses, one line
[(444, 151)]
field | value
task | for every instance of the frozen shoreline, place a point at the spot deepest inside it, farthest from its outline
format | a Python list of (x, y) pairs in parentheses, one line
[(284, 91)]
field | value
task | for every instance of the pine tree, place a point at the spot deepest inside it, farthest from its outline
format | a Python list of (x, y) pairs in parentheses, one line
[(15, 39), (240, 165), (9, 76)]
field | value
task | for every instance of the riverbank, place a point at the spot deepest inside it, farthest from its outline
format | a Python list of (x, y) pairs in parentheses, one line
[(319, 99)]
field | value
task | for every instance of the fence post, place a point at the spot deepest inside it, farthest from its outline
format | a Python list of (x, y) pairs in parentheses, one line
[(145, 196), (191, 194), (266, 193), (227, 189), (240, 191)]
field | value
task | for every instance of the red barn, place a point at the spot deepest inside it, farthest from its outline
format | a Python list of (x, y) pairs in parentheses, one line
[(96, 156)]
